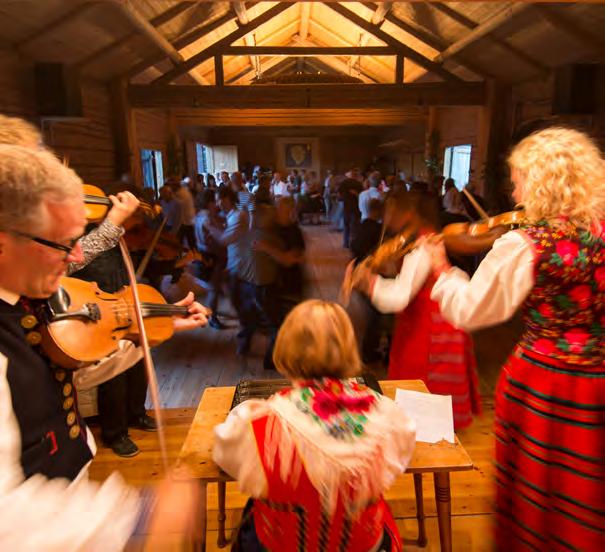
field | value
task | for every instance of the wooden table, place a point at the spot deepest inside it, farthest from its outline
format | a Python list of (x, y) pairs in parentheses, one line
[(195, 460)]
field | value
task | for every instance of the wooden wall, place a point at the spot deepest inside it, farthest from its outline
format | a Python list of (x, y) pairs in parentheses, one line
[(88, 144), (338, 150), (152, 129), (458, 126), (16, 87)]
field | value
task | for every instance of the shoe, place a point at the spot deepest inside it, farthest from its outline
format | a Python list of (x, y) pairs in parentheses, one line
[(124, 446), (215, 323), (145, 422)]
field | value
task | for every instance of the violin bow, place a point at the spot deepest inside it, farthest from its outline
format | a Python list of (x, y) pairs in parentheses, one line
[(143, 264), (148, 361), (475, 204)]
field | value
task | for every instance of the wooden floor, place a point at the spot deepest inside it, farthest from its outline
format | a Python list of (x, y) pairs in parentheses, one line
[(192, 361)]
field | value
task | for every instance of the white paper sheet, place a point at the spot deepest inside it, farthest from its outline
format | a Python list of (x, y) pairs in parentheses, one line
[(433, 414)]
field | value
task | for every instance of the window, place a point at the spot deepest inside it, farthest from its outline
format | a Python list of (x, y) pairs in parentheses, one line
[(457, 164), (153, 170), (211, 159)]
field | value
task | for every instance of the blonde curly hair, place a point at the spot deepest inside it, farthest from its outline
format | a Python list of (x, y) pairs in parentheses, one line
[(562, 174), (17, 132)]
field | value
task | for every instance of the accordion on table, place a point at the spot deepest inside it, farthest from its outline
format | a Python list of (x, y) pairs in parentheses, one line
[(263, 389)]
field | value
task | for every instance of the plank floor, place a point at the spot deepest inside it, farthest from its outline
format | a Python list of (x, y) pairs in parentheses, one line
[(192, 361)]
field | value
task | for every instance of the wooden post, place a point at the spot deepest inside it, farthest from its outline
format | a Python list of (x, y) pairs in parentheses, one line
[(219, 75), (494, 130), (399, 69), (432, 130), (127, 153)]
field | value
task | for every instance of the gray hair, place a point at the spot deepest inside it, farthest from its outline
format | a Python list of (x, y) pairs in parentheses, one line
[(27, 179), (374, 178), (17, 132)]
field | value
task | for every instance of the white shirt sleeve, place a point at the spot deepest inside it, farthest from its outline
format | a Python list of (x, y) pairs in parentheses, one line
[(497, 289), (54, 515), (127, 355), (235, 449), (394, 295)]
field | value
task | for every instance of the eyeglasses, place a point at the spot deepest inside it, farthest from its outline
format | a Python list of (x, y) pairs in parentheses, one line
[(67, 249)]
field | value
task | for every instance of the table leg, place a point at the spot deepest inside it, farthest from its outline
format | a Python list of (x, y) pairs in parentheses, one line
[(222, 540), (199, 529), (421, 542), (444, 509)]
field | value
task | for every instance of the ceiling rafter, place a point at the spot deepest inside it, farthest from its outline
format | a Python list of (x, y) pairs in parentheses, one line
[(249, 39), (289, 30), (157, 38), (473, 26), (380, 12), (337, 63), (408, 52), (55, 24), (183, 41), (157, 21), (564, 24), (427, 37), (305, 15), (215, 48)]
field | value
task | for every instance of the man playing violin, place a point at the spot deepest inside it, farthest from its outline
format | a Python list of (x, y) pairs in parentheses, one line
[(43, 436)]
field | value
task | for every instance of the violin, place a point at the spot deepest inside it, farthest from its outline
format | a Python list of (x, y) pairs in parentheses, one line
[(85, 324), (97, 204), (509, 219)]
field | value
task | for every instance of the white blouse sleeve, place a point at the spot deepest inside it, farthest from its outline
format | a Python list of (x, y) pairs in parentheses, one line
[(127, 355), (496, 290), (395, 294), (235, 449), (52, 514)]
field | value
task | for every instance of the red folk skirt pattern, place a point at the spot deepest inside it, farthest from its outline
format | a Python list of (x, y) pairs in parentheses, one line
[(550, 455), (427, 347)]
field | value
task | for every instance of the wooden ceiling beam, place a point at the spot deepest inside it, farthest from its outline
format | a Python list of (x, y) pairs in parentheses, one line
[(337, 63), (408, 52), (565, 25), (297, 117), (184, 41), (381, 9), (147, 29), (472, 25), (305, 15), (249, 39), (157, 21), (55, 24), (217, 47), (310, 50), (426, 37), (305, 95)]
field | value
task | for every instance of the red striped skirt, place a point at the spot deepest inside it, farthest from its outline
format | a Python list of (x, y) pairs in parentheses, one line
[(550, 455)]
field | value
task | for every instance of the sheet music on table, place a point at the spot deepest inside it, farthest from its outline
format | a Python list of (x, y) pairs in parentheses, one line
[(433, 414)]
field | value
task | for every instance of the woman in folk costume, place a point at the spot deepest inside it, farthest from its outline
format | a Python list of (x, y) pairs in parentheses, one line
[(424, 345), (550, 399), (317, 457)]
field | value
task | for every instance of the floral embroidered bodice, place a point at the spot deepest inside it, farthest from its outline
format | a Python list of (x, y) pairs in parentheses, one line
[(339, 407), (564, 314)]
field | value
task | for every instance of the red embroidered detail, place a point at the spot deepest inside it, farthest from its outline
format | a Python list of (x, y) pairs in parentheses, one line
[(51, 435)]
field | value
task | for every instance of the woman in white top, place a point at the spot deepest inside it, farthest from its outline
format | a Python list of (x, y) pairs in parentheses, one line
[(550, 399)]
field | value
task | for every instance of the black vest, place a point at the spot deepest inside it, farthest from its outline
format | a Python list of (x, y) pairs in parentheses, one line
[(53, 437)]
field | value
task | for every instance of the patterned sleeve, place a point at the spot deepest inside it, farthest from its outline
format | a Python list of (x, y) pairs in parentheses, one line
[(102, 238)]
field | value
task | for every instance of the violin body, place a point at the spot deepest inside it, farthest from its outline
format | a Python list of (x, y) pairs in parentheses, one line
[(86, 323), (97, 204)]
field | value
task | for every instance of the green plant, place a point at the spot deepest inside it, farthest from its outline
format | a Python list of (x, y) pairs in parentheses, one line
[(432, 162)]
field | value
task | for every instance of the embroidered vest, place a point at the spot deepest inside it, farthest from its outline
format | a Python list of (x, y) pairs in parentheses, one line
[(564, 314), (53, 437), (291, 518)]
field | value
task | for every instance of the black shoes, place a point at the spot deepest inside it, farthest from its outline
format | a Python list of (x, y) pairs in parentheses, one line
[(216, 324), (124, 446), (145, 422)]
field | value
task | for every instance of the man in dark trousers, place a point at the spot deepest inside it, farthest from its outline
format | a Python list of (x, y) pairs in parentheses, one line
[(348, 191)]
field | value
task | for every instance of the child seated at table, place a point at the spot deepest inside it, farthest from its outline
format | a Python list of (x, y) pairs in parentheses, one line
[(316, 457)]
